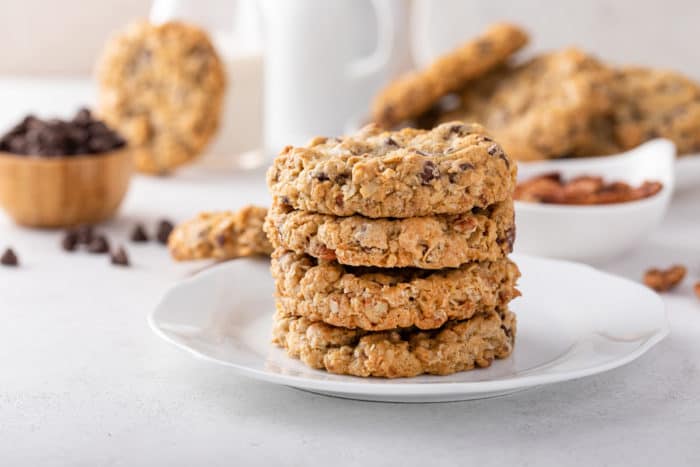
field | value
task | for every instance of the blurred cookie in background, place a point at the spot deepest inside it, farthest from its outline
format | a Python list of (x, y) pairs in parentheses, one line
[(162, 87)]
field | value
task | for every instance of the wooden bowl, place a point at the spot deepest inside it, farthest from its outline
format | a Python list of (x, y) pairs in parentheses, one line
[(38, 191)]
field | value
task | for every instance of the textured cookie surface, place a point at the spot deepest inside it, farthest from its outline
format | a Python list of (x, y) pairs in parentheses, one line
[(457, 346), (543, 108), (430, 242), (378, 299), (413, 94), (162, 87), (221, 235), (448, 170), (656, 104)]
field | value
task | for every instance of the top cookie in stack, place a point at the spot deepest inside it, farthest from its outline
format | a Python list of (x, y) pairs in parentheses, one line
[(390, 251)]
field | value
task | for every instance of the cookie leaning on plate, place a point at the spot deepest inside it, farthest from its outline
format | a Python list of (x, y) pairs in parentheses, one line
[(413, 94), (221, 235), (379, 298), (457, 346), (448, 170), (162, 87), (429, 242)]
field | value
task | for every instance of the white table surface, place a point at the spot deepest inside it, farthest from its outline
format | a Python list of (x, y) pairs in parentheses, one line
[(84, 382)]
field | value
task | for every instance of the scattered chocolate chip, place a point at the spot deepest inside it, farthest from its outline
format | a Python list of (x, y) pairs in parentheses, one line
[(70, 240), (163, 232), (466, 166), (285, 201), (98, 245), (322, 177), (85, 234), (418, 151), (493, 149), (390, 142), (456, 128), (509, 239), (119, 257), (9, 258), (139, 235), (341, 179), (339, 200), (430, 172)]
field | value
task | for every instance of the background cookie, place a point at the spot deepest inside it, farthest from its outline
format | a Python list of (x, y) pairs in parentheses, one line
[(656, 104), (543, 108), (162, 87), (413, 94)]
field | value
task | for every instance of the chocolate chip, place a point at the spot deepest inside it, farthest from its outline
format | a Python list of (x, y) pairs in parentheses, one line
[(98, 245), (341, 179), (390, 142), (119, 257), (285, 201), (493, 149), (457, 128), (163, 232), (418, 151), (70, 240), (9, 258), (139, 235), (85, 234), (50, 138), (322, 177), (466, 166), (430, 172), (220, 240)]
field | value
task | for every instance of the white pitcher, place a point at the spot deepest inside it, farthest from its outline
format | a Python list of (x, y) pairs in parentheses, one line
[(324, 61)]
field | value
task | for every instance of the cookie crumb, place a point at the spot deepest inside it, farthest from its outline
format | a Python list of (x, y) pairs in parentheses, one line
[(9, 258), (696, 289), (663, 280), (70, 240)]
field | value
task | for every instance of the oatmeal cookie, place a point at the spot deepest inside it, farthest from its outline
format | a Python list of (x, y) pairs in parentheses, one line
[(221, 235), (377, 299), (656, 104), (450, 169), (430, 242), (456, 346), (413, 94), (162, 87), (544, 108)]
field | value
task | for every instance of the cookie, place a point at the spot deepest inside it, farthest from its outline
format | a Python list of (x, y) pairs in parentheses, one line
[(450, 169), (221, 235), (430, 242), (543, 108), (413, 94), (656, 104), (162, 87), (377, 299), (457, 346)]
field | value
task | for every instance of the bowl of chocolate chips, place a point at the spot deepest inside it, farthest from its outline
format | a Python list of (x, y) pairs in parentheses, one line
[(60, 173)]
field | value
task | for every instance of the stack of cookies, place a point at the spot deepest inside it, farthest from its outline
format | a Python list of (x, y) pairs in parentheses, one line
[(390, 251)]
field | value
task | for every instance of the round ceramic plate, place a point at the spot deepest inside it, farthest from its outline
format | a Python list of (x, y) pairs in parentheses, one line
[(573, 321)]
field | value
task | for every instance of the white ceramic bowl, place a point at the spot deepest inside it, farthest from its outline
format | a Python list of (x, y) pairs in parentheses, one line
[(596, 233), (688, 172)]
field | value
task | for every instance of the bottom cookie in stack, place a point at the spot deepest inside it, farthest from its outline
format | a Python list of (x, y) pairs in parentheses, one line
[(393, 322), (458, 345)]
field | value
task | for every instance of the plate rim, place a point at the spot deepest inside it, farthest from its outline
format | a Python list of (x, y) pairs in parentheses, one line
[(384, 387)]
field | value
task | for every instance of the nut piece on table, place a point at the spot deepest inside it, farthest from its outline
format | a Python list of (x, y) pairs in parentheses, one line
[(663, 280)]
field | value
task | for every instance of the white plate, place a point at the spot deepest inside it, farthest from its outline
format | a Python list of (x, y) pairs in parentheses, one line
[(573, 321)]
